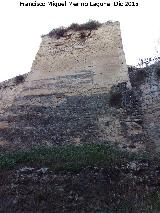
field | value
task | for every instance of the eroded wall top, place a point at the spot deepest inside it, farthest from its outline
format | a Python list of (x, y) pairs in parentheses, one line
[(99, 52)]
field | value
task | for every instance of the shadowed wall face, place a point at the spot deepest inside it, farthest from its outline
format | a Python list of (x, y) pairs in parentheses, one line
[(147, 81)]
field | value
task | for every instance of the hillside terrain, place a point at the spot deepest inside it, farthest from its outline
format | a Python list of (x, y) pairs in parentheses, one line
[(90, 178)]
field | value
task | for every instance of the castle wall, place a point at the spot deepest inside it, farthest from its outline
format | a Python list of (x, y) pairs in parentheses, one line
[(99, 54), (73, 65), (66, 98), (151, 105), (147, 81), (9, 90)]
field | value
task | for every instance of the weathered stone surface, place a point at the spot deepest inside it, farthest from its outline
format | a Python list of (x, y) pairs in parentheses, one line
[(3, 125), (2, 143), (101, 52), (79, 92), (150, 100), (61, 119)]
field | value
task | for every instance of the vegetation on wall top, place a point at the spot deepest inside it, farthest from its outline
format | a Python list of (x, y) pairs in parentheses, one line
[(61, 31), (19, 79)]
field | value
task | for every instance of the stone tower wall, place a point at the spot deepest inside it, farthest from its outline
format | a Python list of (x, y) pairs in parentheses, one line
[(66, 98), (99, 57)]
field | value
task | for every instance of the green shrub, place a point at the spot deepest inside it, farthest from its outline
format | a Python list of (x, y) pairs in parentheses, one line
[(82, 35), (115, 100), (90, 25), (158, 72), (74, 27), (140, 76), (60, 32), (155, 200), (70, 158), (19, 79)]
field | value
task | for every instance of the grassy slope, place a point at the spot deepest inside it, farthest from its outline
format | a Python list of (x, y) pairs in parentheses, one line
[(69, 157), (74, 159)]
